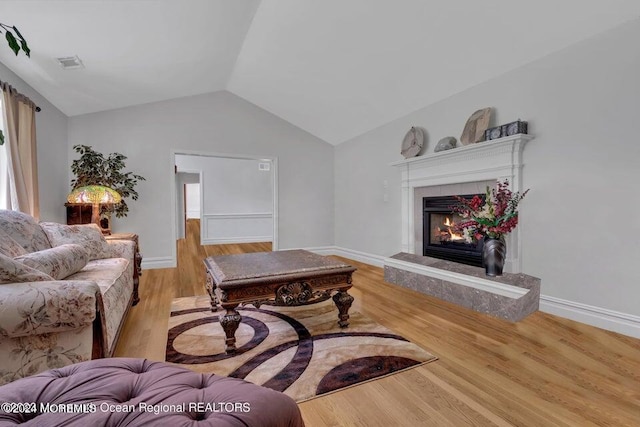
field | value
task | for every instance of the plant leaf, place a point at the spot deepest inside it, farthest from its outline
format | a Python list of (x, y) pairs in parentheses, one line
[(23, 42), (13, 44), (25, 48), (1, 138), (505, 217), (17, 32)]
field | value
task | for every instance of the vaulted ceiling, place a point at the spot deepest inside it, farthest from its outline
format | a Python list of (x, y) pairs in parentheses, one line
[(335, 68)]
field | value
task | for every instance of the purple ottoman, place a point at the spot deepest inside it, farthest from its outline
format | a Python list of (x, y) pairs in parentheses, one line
[(139, 392)]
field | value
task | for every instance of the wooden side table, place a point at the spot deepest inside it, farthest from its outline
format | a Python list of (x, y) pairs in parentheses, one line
[(137, 265), (81, 213)]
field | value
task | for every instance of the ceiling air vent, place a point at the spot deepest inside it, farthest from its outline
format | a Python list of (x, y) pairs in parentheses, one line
[(70, 62)]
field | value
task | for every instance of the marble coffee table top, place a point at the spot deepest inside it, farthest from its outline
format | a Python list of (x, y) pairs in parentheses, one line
[(260, 265)]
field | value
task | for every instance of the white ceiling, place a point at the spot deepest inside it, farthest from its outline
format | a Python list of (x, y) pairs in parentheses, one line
[(335, 68), (134, 51)]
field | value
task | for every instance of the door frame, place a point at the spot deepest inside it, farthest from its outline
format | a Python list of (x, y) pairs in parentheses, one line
[(201, 214), (274, 185)]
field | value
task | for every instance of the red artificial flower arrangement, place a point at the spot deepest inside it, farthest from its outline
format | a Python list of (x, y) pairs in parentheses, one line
[(493, 216)]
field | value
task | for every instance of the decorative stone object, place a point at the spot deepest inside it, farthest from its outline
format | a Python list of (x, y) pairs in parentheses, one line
[(412, 143), (446, 143), (475, 127)]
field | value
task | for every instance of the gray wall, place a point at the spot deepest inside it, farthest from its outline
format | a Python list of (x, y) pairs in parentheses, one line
[(51, 134), (578, 224), (219, 123)]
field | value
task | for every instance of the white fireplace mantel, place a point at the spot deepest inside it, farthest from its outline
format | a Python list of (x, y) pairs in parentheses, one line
[(499, 159)]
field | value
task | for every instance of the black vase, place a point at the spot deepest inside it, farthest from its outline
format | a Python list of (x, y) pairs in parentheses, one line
[(494, 252)]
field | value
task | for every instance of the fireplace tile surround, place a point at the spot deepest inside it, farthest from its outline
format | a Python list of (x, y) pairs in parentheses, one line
[(463, 170), (478, 187)]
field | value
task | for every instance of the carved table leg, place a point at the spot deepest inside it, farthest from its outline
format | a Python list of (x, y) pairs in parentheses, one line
[(230, 322), (211, 287), (343, 301)]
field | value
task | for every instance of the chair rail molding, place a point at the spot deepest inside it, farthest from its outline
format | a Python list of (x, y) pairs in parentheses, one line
[(499, 159), (234, 227)]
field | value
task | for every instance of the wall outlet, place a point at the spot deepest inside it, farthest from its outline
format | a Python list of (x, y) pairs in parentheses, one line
[(264, 166)]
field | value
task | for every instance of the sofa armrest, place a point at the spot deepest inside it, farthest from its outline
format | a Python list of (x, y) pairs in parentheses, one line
[(125, 245), (122, 249), (34, 308)]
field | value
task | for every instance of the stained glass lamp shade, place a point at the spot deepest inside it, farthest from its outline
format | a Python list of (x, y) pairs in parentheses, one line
[(96, 195)]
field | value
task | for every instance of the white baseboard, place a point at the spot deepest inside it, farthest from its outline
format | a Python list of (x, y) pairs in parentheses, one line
[(158, 262), (229, 240), (322, 250), (371, 259), (623, 323)]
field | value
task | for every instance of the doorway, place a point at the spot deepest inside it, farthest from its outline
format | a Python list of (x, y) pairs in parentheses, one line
[(235, 197), (188, 199)]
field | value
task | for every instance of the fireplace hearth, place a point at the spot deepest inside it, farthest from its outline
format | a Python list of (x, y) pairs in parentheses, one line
[(440, 240)]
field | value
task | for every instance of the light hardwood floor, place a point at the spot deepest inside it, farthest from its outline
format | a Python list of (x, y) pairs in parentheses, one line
[(542, 371)]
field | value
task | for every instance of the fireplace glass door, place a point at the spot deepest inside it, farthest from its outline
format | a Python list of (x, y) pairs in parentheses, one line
[(440, 240), (442, 232)]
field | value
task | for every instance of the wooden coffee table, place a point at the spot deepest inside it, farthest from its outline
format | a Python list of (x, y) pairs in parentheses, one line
[(294, 277)]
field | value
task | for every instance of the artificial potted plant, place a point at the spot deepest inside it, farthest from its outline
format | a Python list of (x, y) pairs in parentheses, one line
[(490, 218), (93, 168)]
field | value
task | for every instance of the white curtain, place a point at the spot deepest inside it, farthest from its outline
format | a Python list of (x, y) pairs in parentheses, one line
[(20, 149)]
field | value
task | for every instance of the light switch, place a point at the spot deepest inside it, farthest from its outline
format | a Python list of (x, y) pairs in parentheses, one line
[(385, 197), (385, 183)]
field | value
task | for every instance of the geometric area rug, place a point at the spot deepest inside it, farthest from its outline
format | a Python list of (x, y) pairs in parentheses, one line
[(300, 351)]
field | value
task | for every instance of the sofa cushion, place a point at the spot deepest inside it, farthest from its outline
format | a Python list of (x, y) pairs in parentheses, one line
[(24, 230), (58, 262), (10, 247), (105, 272), (87, 235), (12, 271)]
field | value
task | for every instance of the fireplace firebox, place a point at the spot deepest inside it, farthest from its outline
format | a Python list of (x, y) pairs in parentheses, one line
[(440, 240)]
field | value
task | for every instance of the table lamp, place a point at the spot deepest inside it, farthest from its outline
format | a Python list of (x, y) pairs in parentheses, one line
[(96, 195)]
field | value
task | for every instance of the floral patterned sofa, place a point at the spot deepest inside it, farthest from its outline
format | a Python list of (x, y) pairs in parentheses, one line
[(64, 294)]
